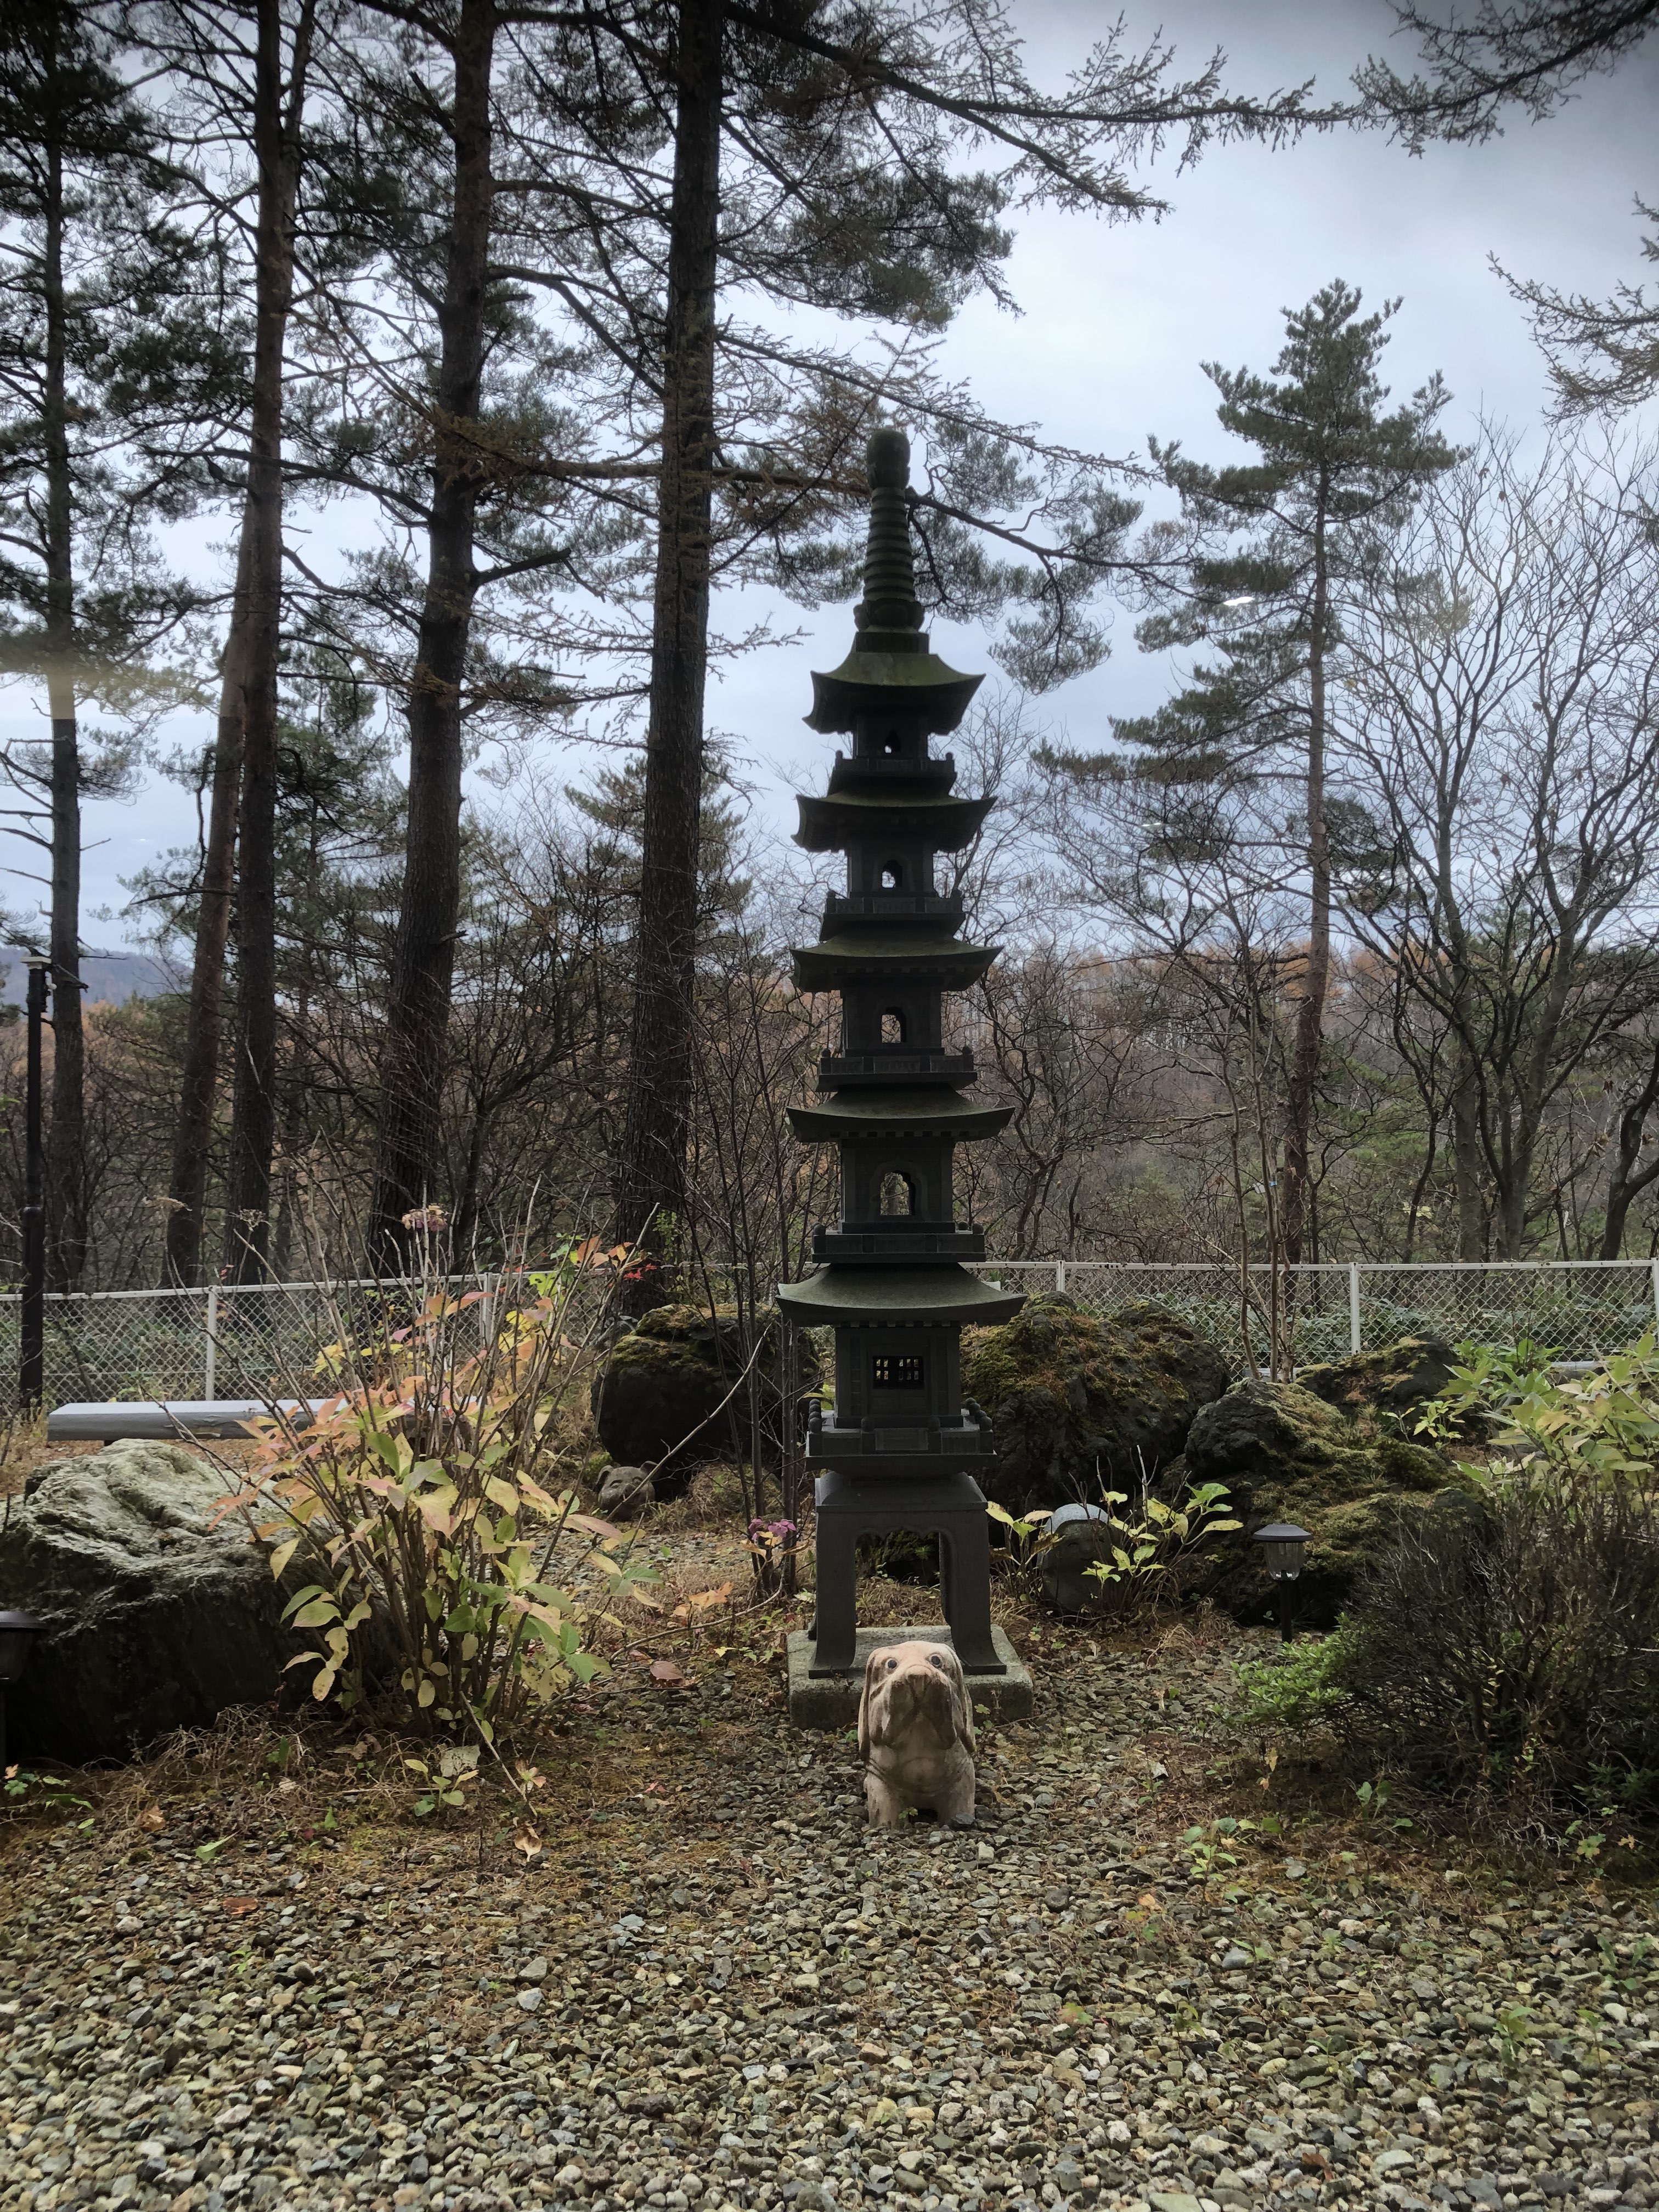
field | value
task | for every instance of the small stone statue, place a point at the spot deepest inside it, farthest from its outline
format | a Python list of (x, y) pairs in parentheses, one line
[(916, 1735), (626, 1492)]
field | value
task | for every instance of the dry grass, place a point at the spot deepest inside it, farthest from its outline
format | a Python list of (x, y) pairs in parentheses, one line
[(23, 1448)]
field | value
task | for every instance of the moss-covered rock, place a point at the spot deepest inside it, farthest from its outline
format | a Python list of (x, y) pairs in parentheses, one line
[(1286, 1454), (1391, 1382), (1077, 1401), (657, 1403), (663, 1400)]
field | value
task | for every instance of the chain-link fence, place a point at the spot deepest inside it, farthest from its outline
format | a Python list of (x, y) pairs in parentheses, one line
[(225, 1342), (1577, 1309), (245, 1341)]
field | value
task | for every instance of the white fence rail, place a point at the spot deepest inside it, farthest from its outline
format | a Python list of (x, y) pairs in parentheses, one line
[(1578, 1309), (220, 1341)]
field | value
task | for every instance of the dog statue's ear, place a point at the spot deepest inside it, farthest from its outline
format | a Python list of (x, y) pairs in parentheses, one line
[(870, 1666), (960, 1700)]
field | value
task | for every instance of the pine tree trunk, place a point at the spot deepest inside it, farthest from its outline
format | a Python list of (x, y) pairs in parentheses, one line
[(413, 1054), (651, 1196), (65, 1187), (253, 1102), (1309, 1042), (193, 1135)]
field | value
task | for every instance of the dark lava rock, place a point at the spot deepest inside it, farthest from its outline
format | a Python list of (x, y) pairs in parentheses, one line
[(1080, 1403), (665, 1401), (1391, 1382), (1286, 1454)]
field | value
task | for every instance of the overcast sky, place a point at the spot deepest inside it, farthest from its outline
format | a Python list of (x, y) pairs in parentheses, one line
[(1116, 320)]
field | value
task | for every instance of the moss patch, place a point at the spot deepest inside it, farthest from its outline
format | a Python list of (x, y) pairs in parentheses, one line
[(1080, 1403), (1286, 1454)]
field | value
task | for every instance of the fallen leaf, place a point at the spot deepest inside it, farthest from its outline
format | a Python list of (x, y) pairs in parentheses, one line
[(667, 1671), (240, 1907), (700, 1602), (153, 1818), (529, 1843)]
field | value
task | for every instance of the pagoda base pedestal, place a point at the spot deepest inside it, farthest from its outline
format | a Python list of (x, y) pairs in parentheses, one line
[(831, 1701), (949, 1506)]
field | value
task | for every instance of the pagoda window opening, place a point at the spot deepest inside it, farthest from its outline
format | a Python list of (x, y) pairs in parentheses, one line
[(892, 1025), (892, 875), (899, 1193), (897, 1370)]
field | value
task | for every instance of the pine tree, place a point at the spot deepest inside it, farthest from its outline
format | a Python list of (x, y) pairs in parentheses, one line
[(1270, 546), (647, 169), (1528, 58), (112, 357), (848, 130)]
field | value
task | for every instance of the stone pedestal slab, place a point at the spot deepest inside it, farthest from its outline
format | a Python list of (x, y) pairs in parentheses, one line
[(831, 1701)]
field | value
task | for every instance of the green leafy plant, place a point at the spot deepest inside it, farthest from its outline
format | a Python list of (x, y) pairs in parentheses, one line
[(446, 1778), (431, 1500), (1144, 1553), (1537, 1420), (1154, 1548), (1373, 1804), (1295, 1688), (1207, 1846), (1503, 1651), (29, 1792)]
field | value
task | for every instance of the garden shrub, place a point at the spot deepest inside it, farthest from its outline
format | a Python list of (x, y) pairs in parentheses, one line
[(1504, 1647), (433, 1499)]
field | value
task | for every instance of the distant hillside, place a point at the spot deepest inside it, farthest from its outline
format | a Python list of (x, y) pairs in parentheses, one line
[(112, 977)]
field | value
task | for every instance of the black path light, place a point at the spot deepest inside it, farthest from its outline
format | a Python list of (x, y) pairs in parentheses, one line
[(1284, 1547), (17, 1632)]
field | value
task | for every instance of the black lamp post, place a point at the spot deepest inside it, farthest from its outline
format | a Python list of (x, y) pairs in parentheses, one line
[(17, 1630), (31, 1366), (1284, 1547)]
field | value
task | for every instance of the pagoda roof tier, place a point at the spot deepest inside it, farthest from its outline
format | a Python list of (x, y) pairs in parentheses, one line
[(895, 1064), (888, 1298), (876, 775), (917, 685), (897, 1113), (833, 823), (871, 955)]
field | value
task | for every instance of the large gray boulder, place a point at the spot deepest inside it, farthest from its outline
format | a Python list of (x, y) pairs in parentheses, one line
[(154, 1619)]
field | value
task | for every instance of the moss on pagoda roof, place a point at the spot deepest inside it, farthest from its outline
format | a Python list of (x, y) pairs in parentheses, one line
[(829, 821), (840, 1296), (896, 1112), (945, 960)]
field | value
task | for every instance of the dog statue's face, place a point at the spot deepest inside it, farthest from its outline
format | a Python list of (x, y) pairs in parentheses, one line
[(914, 1699)]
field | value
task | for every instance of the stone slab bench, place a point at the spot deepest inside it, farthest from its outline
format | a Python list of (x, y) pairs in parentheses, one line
[(165, 1420)]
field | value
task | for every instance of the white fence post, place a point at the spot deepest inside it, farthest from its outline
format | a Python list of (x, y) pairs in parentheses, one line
[(1353, 1305), (210, 1356), (1059, 1277)]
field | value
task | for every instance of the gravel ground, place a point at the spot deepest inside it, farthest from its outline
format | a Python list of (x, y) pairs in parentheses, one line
[(712, 1990)]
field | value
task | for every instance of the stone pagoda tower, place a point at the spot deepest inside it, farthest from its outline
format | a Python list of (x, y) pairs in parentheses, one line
[(900, 1448)]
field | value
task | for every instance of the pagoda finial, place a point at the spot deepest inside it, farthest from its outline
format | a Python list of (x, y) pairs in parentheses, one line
[(889, 617)]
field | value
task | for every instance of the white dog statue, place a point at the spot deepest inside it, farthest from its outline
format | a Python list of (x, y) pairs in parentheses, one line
[(916, 1734)]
